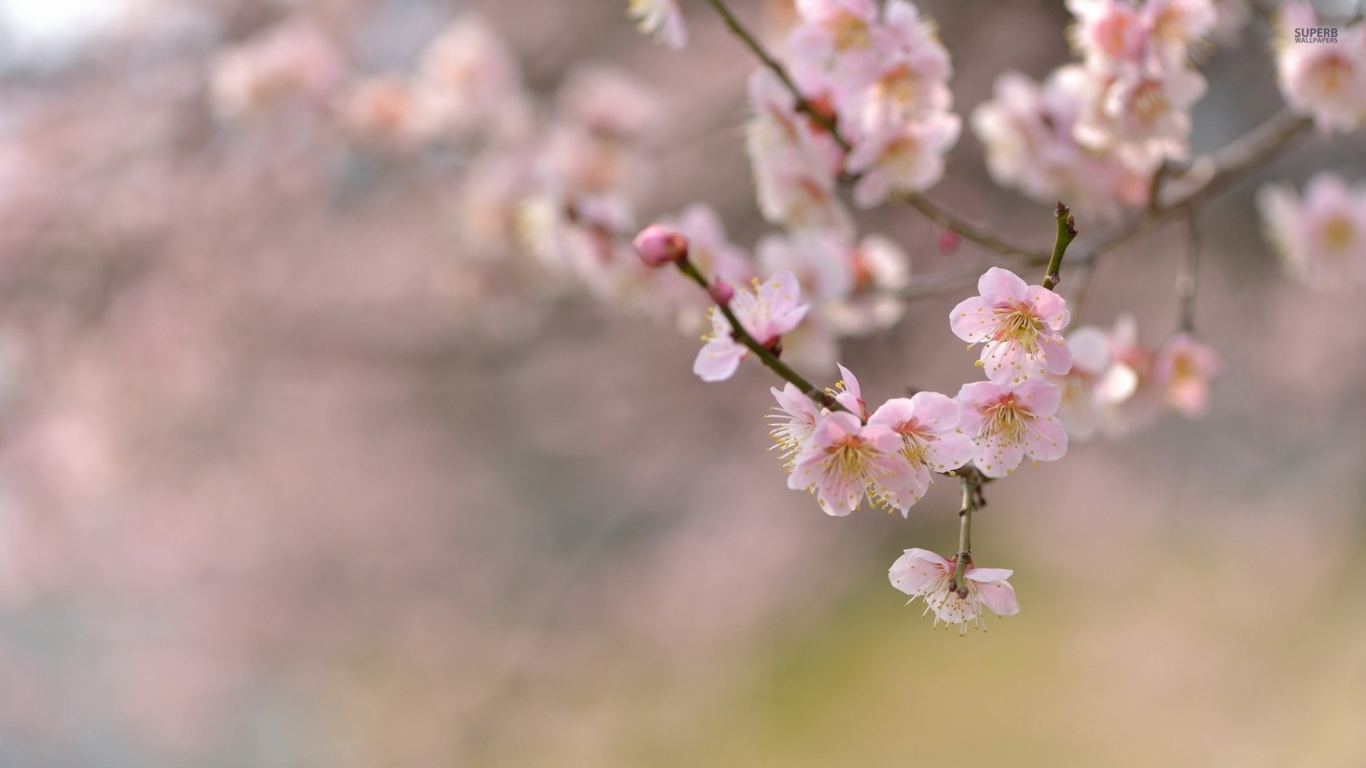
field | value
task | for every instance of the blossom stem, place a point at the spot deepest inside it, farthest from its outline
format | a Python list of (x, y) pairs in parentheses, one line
[(965, 531), (1186, 274), (765, 355), (804, 105), (1067, 232), (940, 215)]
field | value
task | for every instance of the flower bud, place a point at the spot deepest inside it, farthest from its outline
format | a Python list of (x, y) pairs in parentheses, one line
[(659, 245), (948, 241), (720, 291)]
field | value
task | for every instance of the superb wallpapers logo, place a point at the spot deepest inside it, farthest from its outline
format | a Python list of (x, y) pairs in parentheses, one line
[(1316, 34)]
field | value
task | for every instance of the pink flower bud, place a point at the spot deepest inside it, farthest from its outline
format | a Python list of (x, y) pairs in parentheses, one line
[(948, 241), (659, 245), (721, 291)]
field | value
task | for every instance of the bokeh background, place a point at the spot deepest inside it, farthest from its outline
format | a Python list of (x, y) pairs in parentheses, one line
[(292, 475)]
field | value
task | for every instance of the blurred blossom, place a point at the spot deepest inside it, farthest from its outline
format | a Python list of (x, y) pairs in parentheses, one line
[(1318, 78), (1321, 237), (288, 61)]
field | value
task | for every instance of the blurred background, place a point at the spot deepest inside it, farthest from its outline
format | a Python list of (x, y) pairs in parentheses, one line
[(302, 463)]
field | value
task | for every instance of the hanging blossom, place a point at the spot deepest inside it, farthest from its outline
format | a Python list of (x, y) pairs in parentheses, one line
[(1326, 80), (661, 18), (924, 574), (768, 313), (1185, 366), (1019, 325), (1321, 238), (1008, 423)]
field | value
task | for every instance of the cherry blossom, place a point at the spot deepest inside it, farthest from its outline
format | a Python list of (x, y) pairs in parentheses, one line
[(844, 460), (924, 574), (928, 425), (768, 313), (1008, 423), (1185, 367), (902, 157), (1321, 238), (1079, 408), (1327, 81), (1019, 324)]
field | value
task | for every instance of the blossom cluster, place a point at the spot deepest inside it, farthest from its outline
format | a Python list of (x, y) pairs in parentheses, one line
[(1321, 238), (1095, 131), (878, 78)]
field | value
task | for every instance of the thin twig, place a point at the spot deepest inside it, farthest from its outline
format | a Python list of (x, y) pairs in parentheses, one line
[(1186, 274)]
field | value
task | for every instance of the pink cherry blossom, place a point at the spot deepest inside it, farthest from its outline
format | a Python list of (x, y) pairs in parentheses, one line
[(902, 156), (1146, 114), (796, 166), (792, 422), (767, 314), (1079, 410), (1185, 366), (924, 574), (930, 441), (1321, 238), (1327, 81), (1028, 130), (1108, 32), (1019, 324), (1008, 423), (1128, 395), (661, 18), (844, 460)]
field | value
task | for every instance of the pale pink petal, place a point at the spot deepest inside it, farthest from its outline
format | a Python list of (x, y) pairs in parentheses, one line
[(1049, 306), (982, 575), (1054, 355), (917, 570), (1046, 439), (1040, 396), (852, 396), (1005, 362), (893, 413), (1001, 286), (999, 596), (718, 360), (973, 320), (997, 458), (949, 451), (937, 411)]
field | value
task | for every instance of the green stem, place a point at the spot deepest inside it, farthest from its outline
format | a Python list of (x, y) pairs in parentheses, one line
[(1186, 275), (1067, 232), (965, 532), (765, 355)]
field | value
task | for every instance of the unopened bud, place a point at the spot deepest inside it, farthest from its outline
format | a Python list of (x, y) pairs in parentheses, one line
[(659, 245), (721, 291), (949, 241)]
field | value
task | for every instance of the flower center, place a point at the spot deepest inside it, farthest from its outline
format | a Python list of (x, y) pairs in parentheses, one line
[(1019, 325), (1008, 419), (1337, 233)]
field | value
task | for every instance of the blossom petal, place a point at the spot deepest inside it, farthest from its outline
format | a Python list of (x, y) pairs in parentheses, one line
[(1001, 286), (916, 570), (718, 360)]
